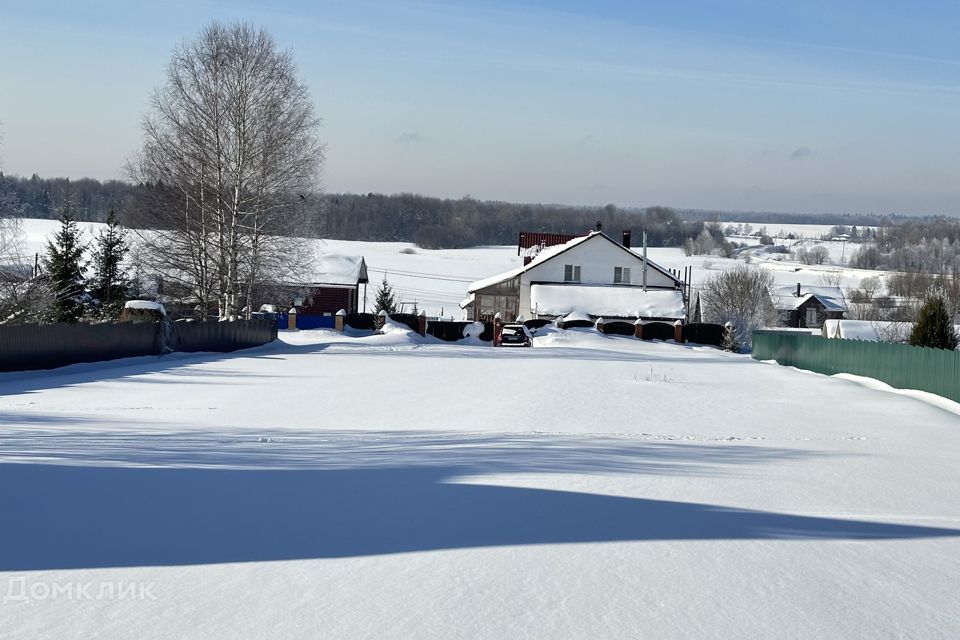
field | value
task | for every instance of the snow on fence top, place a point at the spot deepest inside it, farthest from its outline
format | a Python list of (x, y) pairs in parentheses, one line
[(146, 305), (603, 300)]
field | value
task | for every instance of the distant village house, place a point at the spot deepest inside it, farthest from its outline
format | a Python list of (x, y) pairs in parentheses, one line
[(592, 275), (807, 306)]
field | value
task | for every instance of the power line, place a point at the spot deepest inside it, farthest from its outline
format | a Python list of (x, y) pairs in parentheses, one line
[(415, 274)]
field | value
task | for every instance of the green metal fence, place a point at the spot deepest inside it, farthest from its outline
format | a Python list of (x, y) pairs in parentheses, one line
[(899, 365)]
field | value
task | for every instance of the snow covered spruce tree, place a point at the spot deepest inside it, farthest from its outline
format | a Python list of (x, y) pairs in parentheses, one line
[(230, 157), (109, 284), (740, 296), (63, 270), (386, 300), (934, 327)]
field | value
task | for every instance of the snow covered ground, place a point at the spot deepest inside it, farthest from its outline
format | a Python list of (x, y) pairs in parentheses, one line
[(393, 487)]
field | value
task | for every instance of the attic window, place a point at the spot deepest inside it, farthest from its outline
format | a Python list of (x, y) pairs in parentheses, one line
[(621, 275), (571, 273)]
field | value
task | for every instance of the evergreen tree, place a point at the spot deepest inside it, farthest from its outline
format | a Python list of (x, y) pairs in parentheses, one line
[(110, 284), (63, 268), (934, 327), (386, 301)]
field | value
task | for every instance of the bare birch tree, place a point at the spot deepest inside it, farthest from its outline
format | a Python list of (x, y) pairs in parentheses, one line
[(22, 293), (740, 296), (230, 150)]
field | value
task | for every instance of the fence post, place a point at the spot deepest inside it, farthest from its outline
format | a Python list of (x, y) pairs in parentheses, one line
[(381, 319), (338, 323), (422, 323), (599, 325), (497, 329), (638, 329), (678, 332), (292, 319)]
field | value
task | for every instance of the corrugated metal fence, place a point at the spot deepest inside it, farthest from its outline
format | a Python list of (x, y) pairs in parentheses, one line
[(305, 321), (899, 365), (31, 346)]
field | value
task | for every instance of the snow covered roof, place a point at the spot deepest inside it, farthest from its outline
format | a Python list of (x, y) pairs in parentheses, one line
[(606, 300), (336, 269), (547, 253), (785, 298), (492, 280)]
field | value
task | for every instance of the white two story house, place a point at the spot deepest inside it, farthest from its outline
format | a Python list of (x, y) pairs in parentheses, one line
[(591, 275)]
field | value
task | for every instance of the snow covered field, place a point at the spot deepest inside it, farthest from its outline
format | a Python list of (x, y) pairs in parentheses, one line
[(808, 231), (392, 487)]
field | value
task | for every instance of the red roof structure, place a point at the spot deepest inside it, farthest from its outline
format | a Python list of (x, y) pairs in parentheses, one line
[(530, 239)]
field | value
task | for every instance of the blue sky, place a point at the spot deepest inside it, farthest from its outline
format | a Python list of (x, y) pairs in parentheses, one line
[(743, 104)]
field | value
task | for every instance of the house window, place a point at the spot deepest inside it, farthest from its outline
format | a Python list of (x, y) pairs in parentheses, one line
[(571, 273), (811, 317), (621, 275)]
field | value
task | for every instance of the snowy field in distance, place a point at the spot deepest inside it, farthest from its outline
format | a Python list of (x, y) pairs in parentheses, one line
[(808, 231), (37, 232), (589, 487)]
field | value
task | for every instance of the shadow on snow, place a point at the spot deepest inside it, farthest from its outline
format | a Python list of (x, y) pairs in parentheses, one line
[(337, 496)]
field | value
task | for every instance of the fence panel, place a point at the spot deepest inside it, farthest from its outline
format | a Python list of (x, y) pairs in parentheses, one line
[(705, 333), (26, 347), (363, 321), (311, 321), (899, 365), (409, 319), (658, 331), (619, 328), (30, 346), (448, 330)]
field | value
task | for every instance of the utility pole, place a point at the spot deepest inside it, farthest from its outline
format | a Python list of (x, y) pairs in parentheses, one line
[(644, 260)]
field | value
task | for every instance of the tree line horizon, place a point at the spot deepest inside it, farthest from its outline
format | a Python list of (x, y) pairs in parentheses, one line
[(429, 221)]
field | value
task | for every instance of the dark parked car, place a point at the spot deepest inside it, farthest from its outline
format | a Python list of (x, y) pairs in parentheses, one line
[(515, 335)]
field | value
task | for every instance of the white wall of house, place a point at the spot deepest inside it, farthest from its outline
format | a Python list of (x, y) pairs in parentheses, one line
[(597, 259)]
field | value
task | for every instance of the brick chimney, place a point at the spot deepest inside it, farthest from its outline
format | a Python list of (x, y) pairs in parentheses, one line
[(626, 238), (798, 290)]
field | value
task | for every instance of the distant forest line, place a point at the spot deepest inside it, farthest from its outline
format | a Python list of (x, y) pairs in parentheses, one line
[(429, 222)]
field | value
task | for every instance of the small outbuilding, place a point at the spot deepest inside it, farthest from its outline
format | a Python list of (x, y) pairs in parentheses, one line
[(806, 306), (333, 283)]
